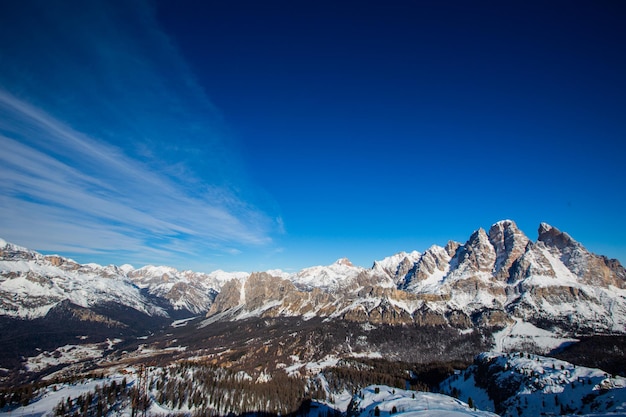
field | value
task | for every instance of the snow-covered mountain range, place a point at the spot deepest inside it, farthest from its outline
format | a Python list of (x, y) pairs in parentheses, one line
[(32, 284), (497, 279)]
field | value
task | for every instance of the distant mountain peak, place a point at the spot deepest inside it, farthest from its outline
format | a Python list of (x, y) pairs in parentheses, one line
[(504, 224), (343, 261), (12, 247)]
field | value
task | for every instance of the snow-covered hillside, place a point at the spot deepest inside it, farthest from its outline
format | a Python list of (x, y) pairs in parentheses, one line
[(381, 400), (326, 277), (376, 400), (531, 385), (31, 284), (185, 290)]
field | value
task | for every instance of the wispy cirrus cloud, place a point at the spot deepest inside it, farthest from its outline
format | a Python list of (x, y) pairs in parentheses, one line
[(110, 147), (92, 198)]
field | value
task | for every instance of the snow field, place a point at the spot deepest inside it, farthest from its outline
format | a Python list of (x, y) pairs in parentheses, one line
[(411, 403), (542, 385)]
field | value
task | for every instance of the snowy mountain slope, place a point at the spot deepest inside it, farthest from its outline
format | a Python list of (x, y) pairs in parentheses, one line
[(531, 385), (372, 400), (32, 284), (329, 277), (392, 401), (427, 272), (520, 335), (185, 290), (397, 266)]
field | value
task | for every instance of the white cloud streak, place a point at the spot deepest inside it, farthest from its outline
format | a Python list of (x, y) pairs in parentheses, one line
[(124, 159), (119, 204)]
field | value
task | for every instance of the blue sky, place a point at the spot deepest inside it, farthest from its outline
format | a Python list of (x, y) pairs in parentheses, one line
[(247, 135)]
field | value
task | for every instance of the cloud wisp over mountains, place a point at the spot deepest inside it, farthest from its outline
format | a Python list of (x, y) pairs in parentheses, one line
[(109, 146)]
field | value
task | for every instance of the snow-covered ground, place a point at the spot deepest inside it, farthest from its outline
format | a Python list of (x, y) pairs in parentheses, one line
[(182, 322), (68, 354), (393, 401), (540, 385), (301, 368), (330, 277), (47, 400), (520, 334)]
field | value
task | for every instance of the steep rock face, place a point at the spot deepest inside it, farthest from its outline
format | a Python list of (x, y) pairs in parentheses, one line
[(509, 243), (262, 288), (452, 247), (476, 256), (183, 290), (229, 297), (268, 296), (431, 266), (590, 268), (398, 266), (427, 316), (533, 262), (193, 298), (470, 281)]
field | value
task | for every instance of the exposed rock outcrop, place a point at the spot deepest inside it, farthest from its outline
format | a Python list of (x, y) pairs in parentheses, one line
[(509, 243)]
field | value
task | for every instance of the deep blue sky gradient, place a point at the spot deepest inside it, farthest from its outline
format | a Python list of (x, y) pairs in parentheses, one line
[(357, 129)]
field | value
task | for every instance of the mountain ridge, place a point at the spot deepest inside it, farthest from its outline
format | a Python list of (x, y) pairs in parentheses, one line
[(496, 277)]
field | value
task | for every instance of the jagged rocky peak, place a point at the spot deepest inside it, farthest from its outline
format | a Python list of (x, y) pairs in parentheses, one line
[(404, 267), (478, 254), (10, 251), (397, 266), (261, 288), (452, 247), (590, 268), (344, 262), (231, 295), (532, 262), (434, 259), (553, 237), (509, 243)]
